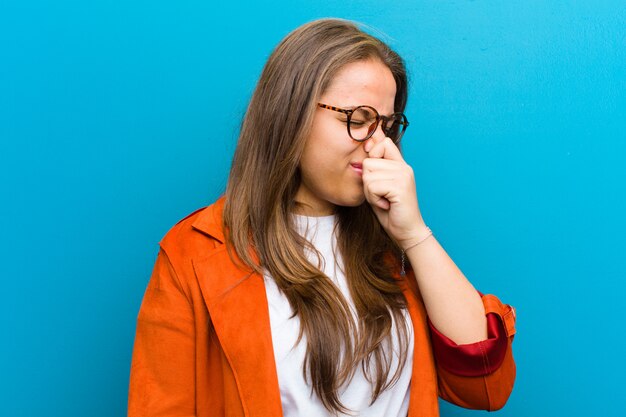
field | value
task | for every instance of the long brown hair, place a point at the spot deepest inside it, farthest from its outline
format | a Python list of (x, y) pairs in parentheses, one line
[(260, 200)]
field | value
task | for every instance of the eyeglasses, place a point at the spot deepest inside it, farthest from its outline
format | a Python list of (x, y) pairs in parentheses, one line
[(363, 122)]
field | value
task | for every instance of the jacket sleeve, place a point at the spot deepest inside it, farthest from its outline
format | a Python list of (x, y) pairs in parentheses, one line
[(478, 375), (162, 375)]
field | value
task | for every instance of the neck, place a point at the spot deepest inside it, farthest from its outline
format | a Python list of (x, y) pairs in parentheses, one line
[(309, 210)]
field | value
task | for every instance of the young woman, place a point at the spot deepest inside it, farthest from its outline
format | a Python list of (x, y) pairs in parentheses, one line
[(313, 286)]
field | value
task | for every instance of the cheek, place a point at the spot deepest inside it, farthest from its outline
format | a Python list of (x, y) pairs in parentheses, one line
[(325, 162), (328, 176), (323, 159), (319, 153), (316, 167)]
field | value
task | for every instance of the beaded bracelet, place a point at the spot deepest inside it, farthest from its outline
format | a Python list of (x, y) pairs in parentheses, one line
[(430, 233)]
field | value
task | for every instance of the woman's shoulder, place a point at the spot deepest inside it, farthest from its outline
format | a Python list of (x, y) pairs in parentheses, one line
[(196, 233)]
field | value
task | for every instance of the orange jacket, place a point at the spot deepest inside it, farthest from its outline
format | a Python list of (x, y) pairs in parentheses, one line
[(203, 345)]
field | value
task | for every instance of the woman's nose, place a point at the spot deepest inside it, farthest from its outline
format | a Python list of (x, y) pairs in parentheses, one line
[(378, 134), (377, 137)]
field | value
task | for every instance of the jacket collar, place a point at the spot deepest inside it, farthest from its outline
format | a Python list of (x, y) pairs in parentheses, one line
[(209, 220)]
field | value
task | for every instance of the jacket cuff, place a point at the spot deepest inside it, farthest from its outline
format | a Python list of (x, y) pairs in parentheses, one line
[(483, 357)]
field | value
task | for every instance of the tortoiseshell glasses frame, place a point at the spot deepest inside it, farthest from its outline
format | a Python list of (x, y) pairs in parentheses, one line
[(393, 126)]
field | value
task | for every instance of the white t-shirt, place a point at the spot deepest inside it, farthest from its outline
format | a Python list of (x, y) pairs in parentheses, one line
[(297, 396)]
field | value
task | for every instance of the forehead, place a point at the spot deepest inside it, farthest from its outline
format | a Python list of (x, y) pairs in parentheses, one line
[(367, 82)]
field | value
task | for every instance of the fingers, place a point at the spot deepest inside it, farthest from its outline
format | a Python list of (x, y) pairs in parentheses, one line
[(384, 149), (386, 176), (380, 202), (378, 169), (387, 182), (382, 155), (389, 187), (381, 190), (376, 164)]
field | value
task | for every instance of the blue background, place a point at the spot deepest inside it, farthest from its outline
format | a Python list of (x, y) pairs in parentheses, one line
[(118, 118)]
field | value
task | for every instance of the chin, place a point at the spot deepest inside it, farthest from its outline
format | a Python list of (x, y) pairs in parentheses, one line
[(354, 201)]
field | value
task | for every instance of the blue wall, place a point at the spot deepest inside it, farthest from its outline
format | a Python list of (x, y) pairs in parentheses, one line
[(118, 118)]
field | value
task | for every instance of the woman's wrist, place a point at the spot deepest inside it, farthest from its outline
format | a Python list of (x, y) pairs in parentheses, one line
[(422, 234)]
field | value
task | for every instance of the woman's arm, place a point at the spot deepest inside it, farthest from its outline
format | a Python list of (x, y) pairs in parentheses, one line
[(471, 334), (478, 375), (162, 375), (454, 306), (452, 303)]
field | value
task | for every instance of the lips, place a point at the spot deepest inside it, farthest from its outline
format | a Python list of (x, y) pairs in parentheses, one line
[(357, 166)]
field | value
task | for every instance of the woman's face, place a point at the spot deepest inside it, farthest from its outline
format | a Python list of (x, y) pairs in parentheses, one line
[(331, 162)]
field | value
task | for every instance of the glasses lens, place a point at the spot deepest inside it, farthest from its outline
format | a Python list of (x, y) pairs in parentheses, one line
[(394, 126), (362, 122)]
